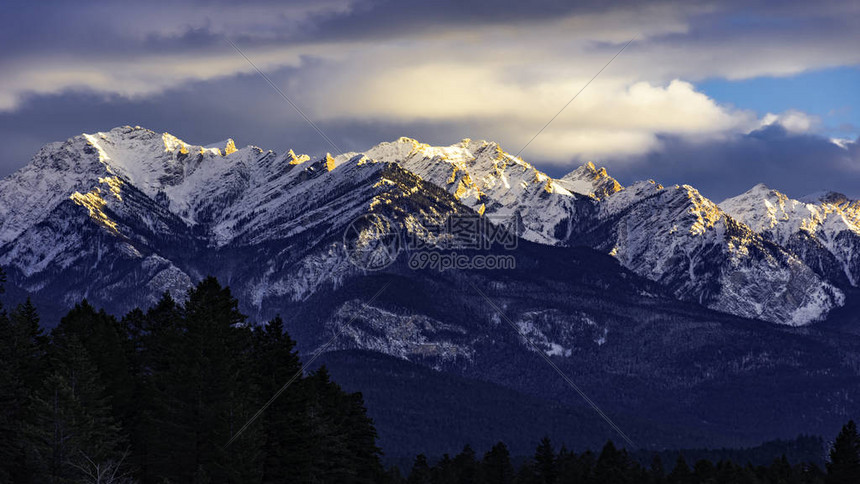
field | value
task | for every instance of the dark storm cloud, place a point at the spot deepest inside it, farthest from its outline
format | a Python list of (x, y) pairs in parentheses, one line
[(109, 27), (793, 164), (96, 23)]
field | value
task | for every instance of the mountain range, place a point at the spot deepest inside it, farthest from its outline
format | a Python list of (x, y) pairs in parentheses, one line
[(692, 322)]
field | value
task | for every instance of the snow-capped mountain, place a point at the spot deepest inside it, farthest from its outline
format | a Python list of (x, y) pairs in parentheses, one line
[(822, 229), (610, 281), (676, 236), (121, 216), (167, 210), (671, 235), (494, 183)]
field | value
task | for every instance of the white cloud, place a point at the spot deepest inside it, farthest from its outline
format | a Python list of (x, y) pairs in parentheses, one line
[(792, 120), (612, 116), (843, 143)]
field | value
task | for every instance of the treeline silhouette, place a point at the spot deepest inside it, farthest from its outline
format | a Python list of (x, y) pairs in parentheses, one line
[(615, 466), (155, 397), (164, 395)]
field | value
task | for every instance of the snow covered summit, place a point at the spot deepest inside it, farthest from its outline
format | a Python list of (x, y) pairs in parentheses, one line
[(822, 229)]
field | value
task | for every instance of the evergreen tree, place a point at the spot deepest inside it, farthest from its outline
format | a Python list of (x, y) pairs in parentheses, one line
[(73, 422), (420, 473), (179, 381), (134, 325), (496, 466), (29, 336), (444, 470), (158, 425), (526, 474), (657, 471), (393, 476), (465, 466), (545, 465), (681, 474), (844, 464), (327, 445), (11, 403), (276, 362), (781, 471), (29, 344), (214, 394), (703, 471), (565, 464), (361, 440), (195, 392), (585, 466), (339, 436), (727, 471), (613, 465), (107, 345), (22, 346)]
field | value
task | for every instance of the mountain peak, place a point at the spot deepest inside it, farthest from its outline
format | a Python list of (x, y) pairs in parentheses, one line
[(826, 196), (293, 159), (756, 195), (591, 181), (227, 146)]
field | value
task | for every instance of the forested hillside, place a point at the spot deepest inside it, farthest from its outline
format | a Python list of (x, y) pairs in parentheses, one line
[(164, 395)]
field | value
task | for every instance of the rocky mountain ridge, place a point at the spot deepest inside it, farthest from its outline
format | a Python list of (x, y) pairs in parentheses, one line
[(141, 187)]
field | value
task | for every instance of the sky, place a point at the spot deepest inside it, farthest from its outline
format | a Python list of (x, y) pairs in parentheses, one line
[(718, 95)]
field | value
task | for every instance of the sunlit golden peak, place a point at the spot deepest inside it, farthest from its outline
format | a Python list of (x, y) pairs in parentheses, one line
[(230, 148), (296, 159), (171, 143)]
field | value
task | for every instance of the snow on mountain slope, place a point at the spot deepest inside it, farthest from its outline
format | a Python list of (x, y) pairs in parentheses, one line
[(96, 166), (200, 185), (681, 239), (589, 180), (194, 181), (493, 182), (297, 240), (673, 236), (58, 170), (271, 224), (823, 229), (115, 256), (412, 336), (156, 193)]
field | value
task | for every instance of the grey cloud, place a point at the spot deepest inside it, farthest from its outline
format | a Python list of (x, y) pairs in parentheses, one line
[(243, 107), (794, 164)]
